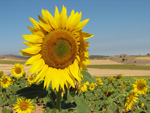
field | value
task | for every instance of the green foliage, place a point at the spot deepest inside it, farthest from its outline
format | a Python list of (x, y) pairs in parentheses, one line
[(108, 97), (87, 77), (118, 66)]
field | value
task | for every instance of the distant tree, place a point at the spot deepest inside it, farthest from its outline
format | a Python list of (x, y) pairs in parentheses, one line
[(123, 59)]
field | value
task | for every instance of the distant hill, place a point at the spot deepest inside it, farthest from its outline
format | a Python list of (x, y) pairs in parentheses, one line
[(97, 56), (15, 57)]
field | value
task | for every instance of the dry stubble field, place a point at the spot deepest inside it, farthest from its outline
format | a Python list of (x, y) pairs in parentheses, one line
[(93, 71)]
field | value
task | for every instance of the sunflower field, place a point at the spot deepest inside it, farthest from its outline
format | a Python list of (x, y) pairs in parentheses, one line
[(58, 82), (109, 94)]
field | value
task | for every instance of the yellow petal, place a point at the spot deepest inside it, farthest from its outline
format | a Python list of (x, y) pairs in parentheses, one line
[(41, 74), (82, 24), (44, 15), (31, 50), (54, 75), (44, 24), (33, 59), (27, 44), (37, 31), (30, 44), (48, 78), (35, 23), (74, 70), (52, 21), (76, 21), (56, 14), (85, 35), (33, 38), (26, 54), (37, 66), (71, 19), (63, 18)]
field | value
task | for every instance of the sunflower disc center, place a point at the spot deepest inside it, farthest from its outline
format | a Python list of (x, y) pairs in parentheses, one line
[(141, 86), (5, 80), (59, 49), (24, 106), (18, 70), (31, 78)]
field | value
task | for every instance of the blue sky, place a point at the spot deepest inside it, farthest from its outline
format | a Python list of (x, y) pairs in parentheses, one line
[(119, 26)]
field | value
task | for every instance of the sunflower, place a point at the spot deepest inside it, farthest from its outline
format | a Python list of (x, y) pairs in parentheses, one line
[(31, 79), (87, 83), (140, 86), (58, 48), (112, 79), (92, 86), (131, 99), (18, 70), (24, 106), (99, 81), (123, 87), (5, 81), (119, 76), (82, 87)]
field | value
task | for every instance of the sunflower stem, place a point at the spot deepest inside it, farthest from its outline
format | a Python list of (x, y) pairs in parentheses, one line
[(58, 103)]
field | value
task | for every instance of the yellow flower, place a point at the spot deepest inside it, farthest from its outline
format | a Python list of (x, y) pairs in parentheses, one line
[(140, 86), (92, 86), (82, 87), (99, 81), (119, 76), (28, 84), (31, 79), (131, 99), (142, 104), (58, 48), (1, 73), (18, 70), (112, 79), (87, 83), (24, 106), (123, 87), (5, 81)]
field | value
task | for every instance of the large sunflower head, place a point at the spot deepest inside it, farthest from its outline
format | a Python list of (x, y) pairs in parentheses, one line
[(24, 106), (140, 86), (5, 81), (58, 48), (130, 100), (18, 70)]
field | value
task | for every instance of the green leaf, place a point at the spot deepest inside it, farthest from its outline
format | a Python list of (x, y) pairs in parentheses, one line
[(33, 91), (4, 110), (87, 77), (113, 107), (1, 102), (109, 111), (82, 106)]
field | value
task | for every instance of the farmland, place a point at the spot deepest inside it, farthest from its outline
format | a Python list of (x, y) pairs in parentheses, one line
[(108, 96)]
